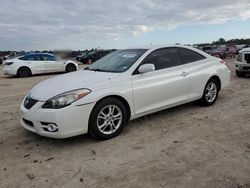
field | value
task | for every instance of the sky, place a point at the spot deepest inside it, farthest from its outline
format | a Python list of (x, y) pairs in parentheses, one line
[(81, 24)]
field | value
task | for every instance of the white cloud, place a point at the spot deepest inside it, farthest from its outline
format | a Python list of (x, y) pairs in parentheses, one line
[(79, 23), (141, 29)]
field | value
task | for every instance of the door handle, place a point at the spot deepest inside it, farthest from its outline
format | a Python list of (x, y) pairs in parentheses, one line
[(184, 74)]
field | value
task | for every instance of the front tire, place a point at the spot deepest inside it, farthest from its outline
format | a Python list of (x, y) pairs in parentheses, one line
[(24, 72), (107, 119), (210, 93)]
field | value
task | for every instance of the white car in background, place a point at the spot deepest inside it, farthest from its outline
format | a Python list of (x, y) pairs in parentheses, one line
[(37, 63), (242, 63), (122, 86)]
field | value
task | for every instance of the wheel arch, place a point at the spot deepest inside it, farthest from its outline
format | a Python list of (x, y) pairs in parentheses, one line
[(71, 63), (120, 98), (217, 78), (24, 66)]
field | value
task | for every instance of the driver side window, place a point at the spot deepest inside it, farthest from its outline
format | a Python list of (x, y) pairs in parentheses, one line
[(164, 58), (247, 58)]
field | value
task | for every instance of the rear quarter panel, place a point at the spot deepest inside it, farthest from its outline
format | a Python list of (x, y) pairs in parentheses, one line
[(200, 72), (224, 74), (18, 64)]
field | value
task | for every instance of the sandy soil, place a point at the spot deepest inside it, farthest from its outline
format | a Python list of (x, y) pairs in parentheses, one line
[(187, 146)]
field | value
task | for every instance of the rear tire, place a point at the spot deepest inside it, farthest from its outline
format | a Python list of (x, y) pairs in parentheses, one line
[(210, 93), (70, 68), (107, 119), (240, 74), (24, 72)]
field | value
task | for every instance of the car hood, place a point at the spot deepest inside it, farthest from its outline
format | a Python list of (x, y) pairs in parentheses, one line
[(77, 80)]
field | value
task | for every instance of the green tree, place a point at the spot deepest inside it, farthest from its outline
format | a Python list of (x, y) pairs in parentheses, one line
[(220, 41)]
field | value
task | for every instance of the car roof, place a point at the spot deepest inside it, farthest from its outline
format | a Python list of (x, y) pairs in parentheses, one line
[(153, 47), (37, 53), (245, 50)]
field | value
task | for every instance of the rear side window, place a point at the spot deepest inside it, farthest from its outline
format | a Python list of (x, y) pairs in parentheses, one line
[(164, 58), (30, 58), (247, 58), (189, 56), (38, 57), (24, 58)]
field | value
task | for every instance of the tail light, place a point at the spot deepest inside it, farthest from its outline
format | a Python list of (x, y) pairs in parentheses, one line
[(224, 63)]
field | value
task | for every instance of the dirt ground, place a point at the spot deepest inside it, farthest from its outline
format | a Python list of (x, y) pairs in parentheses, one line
[(187, 146)]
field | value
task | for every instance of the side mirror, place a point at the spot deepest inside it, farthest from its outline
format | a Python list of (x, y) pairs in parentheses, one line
[(146, 68)]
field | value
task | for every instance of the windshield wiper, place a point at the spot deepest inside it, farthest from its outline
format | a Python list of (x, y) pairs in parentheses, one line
[(97, 70), (87, 68), (100, 70)]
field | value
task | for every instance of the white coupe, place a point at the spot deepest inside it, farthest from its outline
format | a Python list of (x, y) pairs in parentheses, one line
[(122, 86), (37, 63)]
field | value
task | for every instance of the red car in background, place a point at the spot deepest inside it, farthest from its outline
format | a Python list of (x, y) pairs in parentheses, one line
[(223, 52)]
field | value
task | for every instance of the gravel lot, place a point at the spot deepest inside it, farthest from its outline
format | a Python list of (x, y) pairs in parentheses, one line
[(187, 146)]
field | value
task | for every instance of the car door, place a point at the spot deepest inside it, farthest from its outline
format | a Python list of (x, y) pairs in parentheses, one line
[(52, 64), (198, 68), (167, 86), (34, 63)]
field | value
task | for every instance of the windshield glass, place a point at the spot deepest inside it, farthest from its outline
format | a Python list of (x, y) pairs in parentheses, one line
[(90, 53), (84, 53), (207, 48), (118, 61), (239, 58)]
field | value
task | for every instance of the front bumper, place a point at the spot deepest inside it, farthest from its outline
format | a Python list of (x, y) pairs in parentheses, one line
[(242, 67), (71, 120), (9, 71)]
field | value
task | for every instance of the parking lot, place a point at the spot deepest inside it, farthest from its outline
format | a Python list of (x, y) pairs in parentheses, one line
[(187, 146)]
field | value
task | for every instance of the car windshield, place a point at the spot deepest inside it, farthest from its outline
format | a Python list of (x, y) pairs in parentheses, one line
[(118, 61), (207, 48), (84, 53), (239, 58), (90, 53)]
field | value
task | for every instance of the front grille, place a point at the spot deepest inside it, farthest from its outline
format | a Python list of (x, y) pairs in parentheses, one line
[(29, 123), (246, 68), (29, 102)]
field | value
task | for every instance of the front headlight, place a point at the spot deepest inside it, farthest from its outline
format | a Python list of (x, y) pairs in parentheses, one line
[(66, 99)]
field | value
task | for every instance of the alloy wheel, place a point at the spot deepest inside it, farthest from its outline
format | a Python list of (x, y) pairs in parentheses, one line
[(211, 92), (109, 119)]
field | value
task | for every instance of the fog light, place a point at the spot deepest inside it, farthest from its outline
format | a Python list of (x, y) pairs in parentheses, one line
[(52, 127)]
